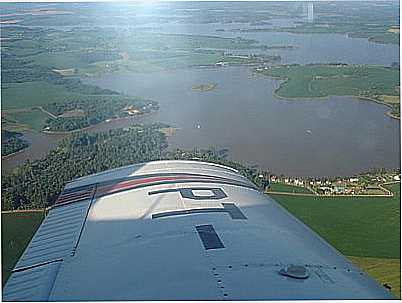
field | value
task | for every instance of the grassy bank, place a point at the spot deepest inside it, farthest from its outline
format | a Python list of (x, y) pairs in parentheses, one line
[(371, 82)]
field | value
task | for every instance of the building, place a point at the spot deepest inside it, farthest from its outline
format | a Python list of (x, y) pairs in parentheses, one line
[(339, 189)]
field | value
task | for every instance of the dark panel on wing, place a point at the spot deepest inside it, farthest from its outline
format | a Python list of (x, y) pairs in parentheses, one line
[(230, 208), (209, 237), (188, 212), (234, 212), (217, 193)]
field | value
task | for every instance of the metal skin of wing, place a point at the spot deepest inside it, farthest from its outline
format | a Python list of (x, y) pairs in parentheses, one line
[(178, 230)]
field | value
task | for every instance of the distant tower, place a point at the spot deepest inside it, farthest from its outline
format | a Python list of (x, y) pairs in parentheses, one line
[(304, 9), (310, 12)]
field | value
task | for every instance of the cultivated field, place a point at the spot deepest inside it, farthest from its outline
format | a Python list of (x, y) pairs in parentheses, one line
[(17, 229), (280, 187), (357, 226)]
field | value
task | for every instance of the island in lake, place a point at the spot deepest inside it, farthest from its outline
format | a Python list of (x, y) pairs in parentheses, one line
[(204, 87)]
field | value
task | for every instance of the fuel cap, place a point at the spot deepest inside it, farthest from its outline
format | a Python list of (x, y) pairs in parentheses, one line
[(295, 271)]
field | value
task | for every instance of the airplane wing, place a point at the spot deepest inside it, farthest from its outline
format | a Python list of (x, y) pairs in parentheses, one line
[(178, 230)]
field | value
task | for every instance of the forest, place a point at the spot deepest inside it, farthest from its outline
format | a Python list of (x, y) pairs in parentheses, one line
[(11, 142), (83, 111), (36, 184)]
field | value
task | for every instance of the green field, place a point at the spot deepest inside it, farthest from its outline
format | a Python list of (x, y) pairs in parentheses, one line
[(323, 80), (383, 270), (17, 229), (281, 187), (18, 100), (356, 226), (29, 94), (34, 119), (368, 229)]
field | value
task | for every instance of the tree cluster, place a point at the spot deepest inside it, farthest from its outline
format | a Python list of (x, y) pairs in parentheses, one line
[(36, 184), (93, 110), (11, 142)]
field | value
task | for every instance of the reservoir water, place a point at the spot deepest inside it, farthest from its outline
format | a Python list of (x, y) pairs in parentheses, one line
[(309, 48), (336, 136)]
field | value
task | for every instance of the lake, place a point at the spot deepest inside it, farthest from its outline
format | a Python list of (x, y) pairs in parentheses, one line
[(338, 136), (309, 48)]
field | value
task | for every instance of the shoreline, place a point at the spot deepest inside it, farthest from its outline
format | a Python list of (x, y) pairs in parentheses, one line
[(14, 153), (50, 132), (169, 131), (62, 135), (284, 80), (389, 114)]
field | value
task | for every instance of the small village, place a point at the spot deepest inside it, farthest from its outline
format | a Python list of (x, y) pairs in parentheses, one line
[(366, 184)]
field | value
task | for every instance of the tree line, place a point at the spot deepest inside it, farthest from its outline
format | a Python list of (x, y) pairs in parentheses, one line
[(37, 184), (11, 142), (91, 110)]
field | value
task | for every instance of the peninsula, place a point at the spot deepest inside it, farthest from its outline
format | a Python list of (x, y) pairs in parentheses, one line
[(377, 83)]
